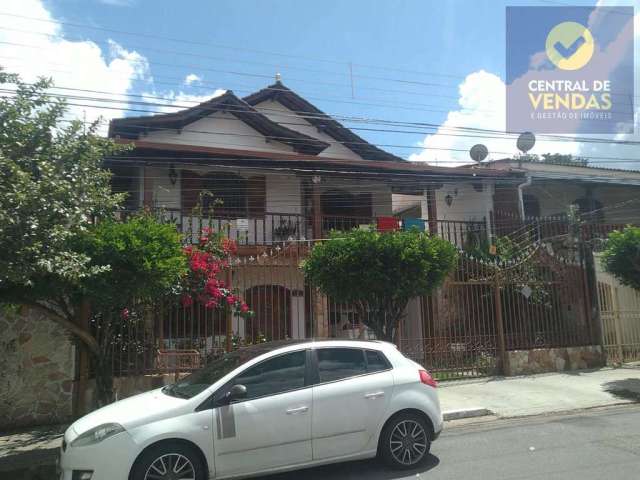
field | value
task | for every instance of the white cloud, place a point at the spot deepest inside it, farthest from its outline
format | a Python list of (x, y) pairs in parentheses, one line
[(169, 102), (118, 3), (192, 78), (482, 106), (73, 65)]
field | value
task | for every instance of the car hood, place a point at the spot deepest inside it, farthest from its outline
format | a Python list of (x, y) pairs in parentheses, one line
[(130, 412)]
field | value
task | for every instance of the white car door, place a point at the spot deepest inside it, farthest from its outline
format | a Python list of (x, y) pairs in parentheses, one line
[(349, 400), (271, 427)]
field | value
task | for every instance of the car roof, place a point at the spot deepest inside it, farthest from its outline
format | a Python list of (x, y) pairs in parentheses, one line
[(294, 344)]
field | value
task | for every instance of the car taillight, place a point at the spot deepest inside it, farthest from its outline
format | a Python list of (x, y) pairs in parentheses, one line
[(427, 379)]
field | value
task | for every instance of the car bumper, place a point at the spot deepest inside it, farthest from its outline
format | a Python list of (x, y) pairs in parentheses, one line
[(108, 460)]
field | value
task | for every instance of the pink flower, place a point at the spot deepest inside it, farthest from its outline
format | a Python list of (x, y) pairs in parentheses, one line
[(186, 300), (211, 304), (125, 313), (231, 299), (244, 308)]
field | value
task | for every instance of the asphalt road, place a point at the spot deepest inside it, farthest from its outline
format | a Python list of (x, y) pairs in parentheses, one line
[(588, 445)]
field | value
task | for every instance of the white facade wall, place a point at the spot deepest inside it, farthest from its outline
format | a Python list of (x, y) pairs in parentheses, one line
[(468, 204), (281, 114), (221, 130), (283, 194), (165, 195)]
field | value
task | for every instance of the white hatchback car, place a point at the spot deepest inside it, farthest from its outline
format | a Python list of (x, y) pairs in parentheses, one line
[(267, 408)]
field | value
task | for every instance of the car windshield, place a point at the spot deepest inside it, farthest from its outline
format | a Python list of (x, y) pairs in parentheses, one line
[(200, 380)]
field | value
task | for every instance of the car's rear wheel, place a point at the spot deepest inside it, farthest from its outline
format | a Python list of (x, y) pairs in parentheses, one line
[(169, 461), (405, 441)]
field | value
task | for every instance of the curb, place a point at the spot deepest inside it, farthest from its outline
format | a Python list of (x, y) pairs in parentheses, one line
[(466, 413)]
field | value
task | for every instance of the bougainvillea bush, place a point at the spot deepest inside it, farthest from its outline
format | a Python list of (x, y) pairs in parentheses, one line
[(205, 281)]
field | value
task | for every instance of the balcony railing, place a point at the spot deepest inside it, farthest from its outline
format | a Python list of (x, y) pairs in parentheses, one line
[(274, 228), (265, 230)]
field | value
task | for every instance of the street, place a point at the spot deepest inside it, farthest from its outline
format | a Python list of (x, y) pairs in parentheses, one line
[(586, 445)]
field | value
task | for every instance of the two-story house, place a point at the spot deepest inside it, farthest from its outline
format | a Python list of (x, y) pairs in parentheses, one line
[(277, 173)]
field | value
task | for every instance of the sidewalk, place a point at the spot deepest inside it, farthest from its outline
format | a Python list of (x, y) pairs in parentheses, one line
[(540, 394), (30, 455)]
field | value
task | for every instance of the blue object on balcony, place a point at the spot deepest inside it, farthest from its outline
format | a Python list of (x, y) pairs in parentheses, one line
[(409, 223)]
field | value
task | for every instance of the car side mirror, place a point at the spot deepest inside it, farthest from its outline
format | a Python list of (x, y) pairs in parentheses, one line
[(237, 392)]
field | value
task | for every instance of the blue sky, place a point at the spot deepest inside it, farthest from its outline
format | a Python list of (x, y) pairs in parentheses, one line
[(424, 52)]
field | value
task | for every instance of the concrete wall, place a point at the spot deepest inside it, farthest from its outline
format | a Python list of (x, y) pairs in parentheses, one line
[(36, 371), (542, 360)]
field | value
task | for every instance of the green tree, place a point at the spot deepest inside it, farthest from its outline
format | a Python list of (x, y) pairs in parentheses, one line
[(557, 159), (379, 272), (140, 261), (621, 256), (52, 188), (61, 251)]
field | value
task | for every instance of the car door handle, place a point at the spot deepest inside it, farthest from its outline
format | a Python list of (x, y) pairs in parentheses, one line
[(374, 395), (296, 411)]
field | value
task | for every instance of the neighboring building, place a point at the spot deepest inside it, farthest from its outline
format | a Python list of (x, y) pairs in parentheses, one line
[(612, 195)]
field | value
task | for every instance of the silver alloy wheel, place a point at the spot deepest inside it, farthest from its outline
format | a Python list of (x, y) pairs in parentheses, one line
[(171, 466), (408, 442)]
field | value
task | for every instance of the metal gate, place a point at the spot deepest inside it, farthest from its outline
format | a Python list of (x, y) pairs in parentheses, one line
[(485, 309), (620, 316)]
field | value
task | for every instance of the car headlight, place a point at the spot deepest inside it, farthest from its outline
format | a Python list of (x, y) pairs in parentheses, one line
[(97, 434)]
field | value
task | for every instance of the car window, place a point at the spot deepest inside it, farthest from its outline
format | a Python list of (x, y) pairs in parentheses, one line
[(376, 361), (338, 363), (276, 375), (217, 368)]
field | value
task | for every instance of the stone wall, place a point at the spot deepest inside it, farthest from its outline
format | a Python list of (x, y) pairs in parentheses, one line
[(36, 371), (542, 360)]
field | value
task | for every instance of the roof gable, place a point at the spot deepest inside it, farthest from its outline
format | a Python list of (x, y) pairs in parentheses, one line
[(133, 127), (323, 122)]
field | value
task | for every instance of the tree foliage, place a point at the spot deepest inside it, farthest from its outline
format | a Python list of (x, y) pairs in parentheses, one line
[(621, 256), (379, 272), (52, 186), (557, 159), (139, 259)]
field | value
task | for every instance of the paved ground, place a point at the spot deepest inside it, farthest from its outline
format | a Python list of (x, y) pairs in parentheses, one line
[(545, 393), (580, 446)]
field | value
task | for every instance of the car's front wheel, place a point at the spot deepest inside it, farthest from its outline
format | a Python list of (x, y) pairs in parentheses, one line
[(405, 441), (169, 461)]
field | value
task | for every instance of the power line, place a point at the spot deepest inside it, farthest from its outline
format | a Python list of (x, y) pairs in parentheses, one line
[(233, 72), (297, 114), (345, 143), (229, 47)]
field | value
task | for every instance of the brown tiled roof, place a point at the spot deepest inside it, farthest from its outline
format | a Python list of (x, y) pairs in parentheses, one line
[(132, 127)]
